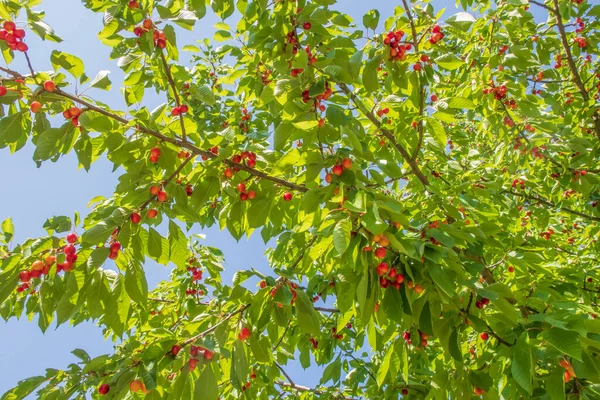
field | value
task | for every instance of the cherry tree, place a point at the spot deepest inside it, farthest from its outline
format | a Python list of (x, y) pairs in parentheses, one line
[(431, 187)]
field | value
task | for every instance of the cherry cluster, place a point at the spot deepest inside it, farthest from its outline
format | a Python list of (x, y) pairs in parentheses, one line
[(397, 49), (499, 92), (154, 154), (160, 40), (72, 114), (182, 109), (160, 194), (389, 276), (245, 195), (13, 36), (518, 182), (338, 169), (436, 34), (114, 250), (245, 117), (247, 157), (482, 303)]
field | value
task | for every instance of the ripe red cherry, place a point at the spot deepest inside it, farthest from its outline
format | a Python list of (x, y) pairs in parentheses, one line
[(183, 108), (49, 86), (175, 111), (22, 47), (251, 163), (155, 151), (478, 304), (307, 25), (424, 58), (162, 196), (347, 163), (147, 24), (3, 90), (382, 269), (175, 350), (25, 276), (287, 196), (380, 252), (251, 194), (154, 190), (328, 178), (511, 269), (241, 188), (135, 218), (228, 173), (152, 213), (263, 284), (70, 250), (417, 67), (337, 170), (116, 246), (161, 43), (103, 389), (244, 334), (9, 26), (237, 158), (133, 4), (434, 98), (404, 392), (484, 336), (71, 238), (35, 107), (243, 196), (214, 150), (208, 354)]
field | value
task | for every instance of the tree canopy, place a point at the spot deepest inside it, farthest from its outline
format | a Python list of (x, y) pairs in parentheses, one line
[(431, 187)]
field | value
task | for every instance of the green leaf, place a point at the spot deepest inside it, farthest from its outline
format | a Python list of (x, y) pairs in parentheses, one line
[(69, 62), (522, 363), (461, 102), (101, 81), (308, 318), (24, 388), (135, 283), (99, 233), (370, 78), (437, 131), (565, 341), (382, 371), (371, 19), (341, 235), (449, 62), (206, 387)]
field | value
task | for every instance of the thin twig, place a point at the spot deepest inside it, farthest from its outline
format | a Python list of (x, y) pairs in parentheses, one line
[(175, 94), (215, 326)]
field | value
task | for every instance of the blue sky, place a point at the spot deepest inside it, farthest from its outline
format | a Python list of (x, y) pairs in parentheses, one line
[(31, 195)]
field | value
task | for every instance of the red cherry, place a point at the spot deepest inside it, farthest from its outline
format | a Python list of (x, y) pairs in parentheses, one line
[(478, 304), (241, 188), (147, 24), (175, 111), (251, 163), (404, 392), (162, 196), (485, 301), (116, 246), (103, 389), (9, 26), (287, 196), (175, 350), (70, 250), (424, 58), (417, 67), (25, 276), (152, 213), (133, 4), (347, 163), (161, 43), (71, 238), (251, 194), (22, 47), (511, 269), (3, 90), (135, 218), (208, 354), (236, 158), (382, 268), (434, 98), (243, 196), (154, 190), (307, 25), (337, 170), (215, 150), (35, 107), (155, 151), (263, 284), (244, 334), (228, 173), (380, 252), (484, 336), (49, 86)]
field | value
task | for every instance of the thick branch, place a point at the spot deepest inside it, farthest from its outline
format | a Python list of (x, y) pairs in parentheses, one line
[(389, 135), (182, 143)]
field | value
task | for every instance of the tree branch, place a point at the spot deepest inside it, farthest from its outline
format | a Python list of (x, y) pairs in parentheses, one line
[(215, 326), (174, 89), (550, 204), (181, 143)]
